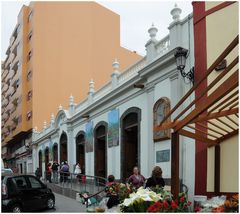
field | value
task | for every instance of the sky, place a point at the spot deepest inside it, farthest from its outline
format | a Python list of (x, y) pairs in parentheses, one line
[(135, 19)]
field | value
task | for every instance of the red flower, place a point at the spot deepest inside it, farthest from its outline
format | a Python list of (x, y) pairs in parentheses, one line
[(197, 209), (189, 203), (185, 206), (165, 204), (182, 199), (174, 205)]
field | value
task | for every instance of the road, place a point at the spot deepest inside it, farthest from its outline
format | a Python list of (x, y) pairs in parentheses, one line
[(65, 204)]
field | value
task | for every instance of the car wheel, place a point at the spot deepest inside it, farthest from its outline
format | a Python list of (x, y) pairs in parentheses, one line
[(50, 203), (16, 208)]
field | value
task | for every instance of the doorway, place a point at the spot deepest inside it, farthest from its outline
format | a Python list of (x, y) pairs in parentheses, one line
[(130, 141), (55, 152), (100, 149), (80, 150), (63, 148), (40, 160), (46, 157)]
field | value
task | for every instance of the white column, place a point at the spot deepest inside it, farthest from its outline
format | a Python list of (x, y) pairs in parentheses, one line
[(71, 151)]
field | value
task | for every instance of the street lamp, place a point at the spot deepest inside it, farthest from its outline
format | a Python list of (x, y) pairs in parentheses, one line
[(181, 56)]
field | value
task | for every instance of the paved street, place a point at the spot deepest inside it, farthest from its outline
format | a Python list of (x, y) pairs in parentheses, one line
[(65, 204)]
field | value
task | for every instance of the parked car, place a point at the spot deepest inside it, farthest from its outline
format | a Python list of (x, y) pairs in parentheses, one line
[(25, 193)]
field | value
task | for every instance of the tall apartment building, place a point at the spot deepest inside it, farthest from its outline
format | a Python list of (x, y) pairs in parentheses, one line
[(54, 51)]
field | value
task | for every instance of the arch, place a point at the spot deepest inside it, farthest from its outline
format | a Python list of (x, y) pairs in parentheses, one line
[(60, 116), (55, 152), (160, 109), (63, 147), (130, 123), (80, 149), (100, 149)]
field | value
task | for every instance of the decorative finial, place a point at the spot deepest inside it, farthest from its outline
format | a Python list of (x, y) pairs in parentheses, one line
[(176, 12), (44, 124), (115, 66), (152, 31), (52, 118), (71, 100), (60, 107), (91, 86)]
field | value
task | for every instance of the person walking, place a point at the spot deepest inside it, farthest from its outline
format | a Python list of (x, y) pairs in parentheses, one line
[(156, 178), (49, 173), (55, 171), (64, 172), (38, 173), (136, 179), (78, 172)]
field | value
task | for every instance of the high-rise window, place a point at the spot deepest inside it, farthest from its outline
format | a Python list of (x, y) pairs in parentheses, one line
[(30, 36), (29, 55), (29, 95), (29, 75), (29, 115), (30, 16)]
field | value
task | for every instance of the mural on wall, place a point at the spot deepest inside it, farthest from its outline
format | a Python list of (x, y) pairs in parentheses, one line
[(89, 136), (113, 128)]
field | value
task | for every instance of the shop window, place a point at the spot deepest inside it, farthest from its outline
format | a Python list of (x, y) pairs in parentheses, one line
[(29, 115), (160, 110)]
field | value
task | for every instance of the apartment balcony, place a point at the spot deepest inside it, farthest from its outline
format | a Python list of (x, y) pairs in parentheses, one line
[(4, 74), (4, 87), (15, 64), (11, 73)]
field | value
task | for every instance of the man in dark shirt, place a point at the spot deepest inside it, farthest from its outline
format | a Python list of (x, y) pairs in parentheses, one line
[(55, 171)]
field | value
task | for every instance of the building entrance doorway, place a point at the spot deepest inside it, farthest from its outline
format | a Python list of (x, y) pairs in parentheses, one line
[(130, 142), (80, 151), (63, 148), (100, 149)]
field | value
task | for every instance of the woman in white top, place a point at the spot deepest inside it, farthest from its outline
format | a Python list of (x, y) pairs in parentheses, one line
[(78, 171)]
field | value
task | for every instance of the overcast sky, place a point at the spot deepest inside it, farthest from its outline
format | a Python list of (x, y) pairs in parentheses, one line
[(136, 18)]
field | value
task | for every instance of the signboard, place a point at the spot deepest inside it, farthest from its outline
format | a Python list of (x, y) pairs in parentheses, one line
[(163, 156), (89, 136), (113, 128)]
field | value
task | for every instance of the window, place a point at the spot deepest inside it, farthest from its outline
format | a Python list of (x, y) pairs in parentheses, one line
[(29, 75), (29, 55), (20, 182), (29, 95), (29, 115), (30, 16), (30, 36), (160, 110), (34, 183)]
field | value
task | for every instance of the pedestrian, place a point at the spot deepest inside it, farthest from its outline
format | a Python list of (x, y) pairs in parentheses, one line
[(55, 171), (78, 172), (156, 178), (38, 173), (136, 179), (49, 173), (64, 172)]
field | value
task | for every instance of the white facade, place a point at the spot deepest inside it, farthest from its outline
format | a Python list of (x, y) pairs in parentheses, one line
[(157, 72)]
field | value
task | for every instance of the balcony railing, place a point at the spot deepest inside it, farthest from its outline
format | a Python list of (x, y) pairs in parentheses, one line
[(163, 45)]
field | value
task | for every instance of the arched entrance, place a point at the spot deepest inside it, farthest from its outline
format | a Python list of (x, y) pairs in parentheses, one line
[(63, 147), (100, 149), (55, 152), (130, 141), (46, 157), (80, 150), (40, 160)]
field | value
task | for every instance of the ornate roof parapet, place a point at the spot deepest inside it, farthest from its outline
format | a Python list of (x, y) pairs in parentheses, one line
[(71, 105), (60, 107), (44, 124), (52, 119), (115, 73), (176, 12)]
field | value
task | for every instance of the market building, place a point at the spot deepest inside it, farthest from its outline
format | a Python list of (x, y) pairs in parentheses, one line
[(55, 48), (112, 130)]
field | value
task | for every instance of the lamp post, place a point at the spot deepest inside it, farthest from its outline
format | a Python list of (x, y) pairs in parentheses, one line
[(181, 56)]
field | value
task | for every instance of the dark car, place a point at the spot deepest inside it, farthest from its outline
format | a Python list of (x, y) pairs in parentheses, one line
[(25, 193)]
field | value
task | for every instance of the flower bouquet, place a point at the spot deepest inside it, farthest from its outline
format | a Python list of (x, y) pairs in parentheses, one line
[(140, 201), (169, 205)]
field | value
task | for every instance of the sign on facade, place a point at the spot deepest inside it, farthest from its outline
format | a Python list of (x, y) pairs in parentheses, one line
[(163, 156), (89, 136), (113, 128)]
